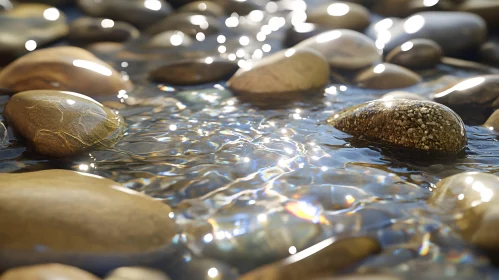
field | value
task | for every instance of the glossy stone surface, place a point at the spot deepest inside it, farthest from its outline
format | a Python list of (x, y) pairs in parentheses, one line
[(421, 126), (416, 54), (192, 72), (28, 27), (47, 272), (282, 77), (86, 30), (486, 9), (300, 32), (340, 15), (140, 13), (454, 32), (489, 53), (136, 273), (492, 122), (345, 49), (386, 76), (323, 259), (207, 8), (202, 269), (98, 230), (403, 95), (481, 91), (188, 23), (55, 68), (169, 39), (58, 123)]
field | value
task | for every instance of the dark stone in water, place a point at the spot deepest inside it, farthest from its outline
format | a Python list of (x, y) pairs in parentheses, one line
[(140, 13), (207, 8), (52, 271), (419, 126), (195, 71), (404, 95), (87, 30), (480, 91), (489, 53), (416, 54), (28, 27), (386, 76), (188, 23), (300, 32), (340, 15), (136, 273), (455, 32)]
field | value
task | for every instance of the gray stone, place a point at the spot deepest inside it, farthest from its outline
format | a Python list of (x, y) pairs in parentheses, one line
[(487, 9), (86, 30), (386, 76), (416, 54)]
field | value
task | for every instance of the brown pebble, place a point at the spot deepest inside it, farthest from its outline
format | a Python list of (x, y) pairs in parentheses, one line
[(340, 15), (47, 272), (416, 54), (386, 76)]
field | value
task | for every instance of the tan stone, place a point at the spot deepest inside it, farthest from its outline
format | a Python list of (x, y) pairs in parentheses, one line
[(47, 272), (386, 76)]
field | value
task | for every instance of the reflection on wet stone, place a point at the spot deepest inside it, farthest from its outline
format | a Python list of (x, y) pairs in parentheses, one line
[(300, 32), (47, 272), (202, 8), (416, 54), (188, 23), (386, 76), (340, 15), (136, 273), (87, 30)]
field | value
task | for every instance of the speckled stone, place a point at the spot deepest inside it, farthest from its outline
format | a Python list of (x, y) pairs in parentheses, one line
[(403, 95), (139, 13), (416, 54), (188, 23), (302, 31), (414, 125), (104, 227), (283, 77), (194, 71), (325, 258), (47, 272), (386, 76), (340, 15), (474, 196), (492, 122), (136, 273), (58, 123), (207, 8), (480, 91), (344, 49), (87, 30), (56, 68)]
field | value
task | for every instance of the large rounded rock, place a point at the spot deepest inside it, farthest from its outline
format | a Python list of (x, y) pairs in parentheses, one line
[(86, 30), (386, 76), (58, 123), (416, 54), (140, 13), (47, 272), (63, 68), (345, 49), (81, 220), (340, 15), (480, 91), (282, 77), (414, 125)]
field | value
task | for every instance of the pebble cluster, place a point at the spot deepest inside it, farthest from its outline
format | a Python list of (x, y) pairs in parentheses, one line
[(86, 83)]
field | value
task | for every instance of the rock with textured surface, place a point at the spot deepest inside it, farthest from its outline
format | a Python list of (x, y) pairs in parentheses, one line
[(139, 13), (386, 76), (416, 54), (479, 91), (283, 77), (195, 71), (340, 15), (80, 219), (86, 30), (58, 123), (47, 272), (345, 49), (414, 125), (56, 68)]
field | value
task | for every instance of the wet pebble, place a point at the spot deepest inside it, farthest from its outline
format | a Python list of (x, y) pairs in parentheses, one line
[(479, 91), (202, 269), (136, 273), (419, 126), (194, 71), (47, 272), (455, 32), (283, 77), (344, 49), (302, 31), (207, 8), (323, 259), (169, 39), (188, 23), (416, 54), (489, 53), (386, 76), (87, 30), (58, 123), (28, 27), (403, 95), (340, 15), (492, 122), (487, 9), (139, 13), (98, 231), (55, 68)]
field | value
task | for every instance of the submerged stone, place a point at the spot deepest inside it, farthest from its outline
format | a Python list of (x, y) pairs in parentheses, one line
[(136, 273), (344, 49), (140, 13), (86, 30), (52, 271), (79, 219), (323, 259), (420, 126), (340, 15), (194, 71), (58, 123), (416, 54), (480, 91), (56, 68), (386, 76), (28, 27), (283, 77)]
